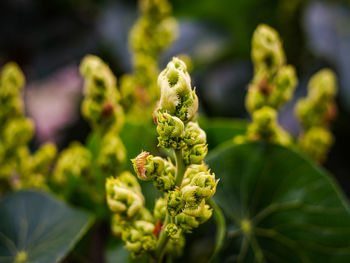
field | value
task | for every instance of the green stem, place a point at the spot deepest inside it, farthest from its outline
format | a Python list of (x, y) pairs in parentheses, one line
[(163, 237), (163, 240), (221, 228), (180, 168)]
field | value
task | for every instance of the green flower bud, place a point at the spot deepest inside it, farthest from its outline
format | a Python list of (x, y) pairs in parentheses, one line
[(130, 181), (192, 171), (163, 34), (206, 214), (206, 184), (187, 60), (175, 202), (284, 86), (322, 86), (12, 77), (127, 89), (194, 135), (175, 247), (264, 121), (307, 114), (33, 180), (167, 31), (195, 210), (103, 115), (43, 158), (177, 97), (166, 181), (73, 162), (186, 222), (267, 50), (317, 109), (162, 172), (160, 209), (195, 154), (316, 143), (144, 227), (11, 83), (122, 199), (255, 99), (132, 241), (160, 8), (139, 238), (98, 76), (189, 194), (265, 127), (170, 130), (173, 231), (100, 106), (147, 167), (18, 132), (112, 154), (118, 225)]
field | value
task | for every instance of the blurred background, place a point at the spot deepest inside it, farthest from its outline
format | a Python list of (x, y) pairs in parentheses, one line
[(48, 39)]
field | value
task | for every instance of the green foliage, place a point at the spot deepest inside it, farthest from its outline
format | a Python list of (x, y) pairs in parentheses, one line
[(35, 227), (19, 168), (119, 254), (279, 206)]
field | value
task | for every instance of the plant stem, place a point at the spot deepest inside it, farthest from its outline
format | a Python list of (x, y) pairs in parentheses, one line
[(221, 228), (180, 167), (163, 240), (163, 237)]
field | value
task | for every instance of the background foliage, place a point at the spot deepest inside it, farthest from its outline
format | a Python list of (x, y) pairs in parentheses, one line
[(49, 39)]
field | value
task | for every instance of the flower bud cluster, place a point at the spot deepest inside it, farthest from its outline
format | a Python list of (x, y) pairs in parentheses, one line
[(187, 186), (131, 220), (19, 168), (72, 164), (177, 97), (315, 112), (274, 81), (112, 154), (101, 103), (170, 130), (102, 109), (316, 142), (265, 127), (186, 203), (154, 31), (272, 86), (160, 171)]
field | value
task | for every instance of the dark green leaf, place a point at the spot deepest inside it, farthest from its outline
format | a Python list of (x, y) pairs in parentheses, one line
[(279, 206), (120, 254), (38, 228)]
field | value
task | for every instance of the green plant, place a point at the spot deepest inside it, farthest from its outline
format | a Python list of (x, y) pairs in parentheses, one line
[(36, 227), (187, 186), (19, 168), (273, 86), (277, 205)]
